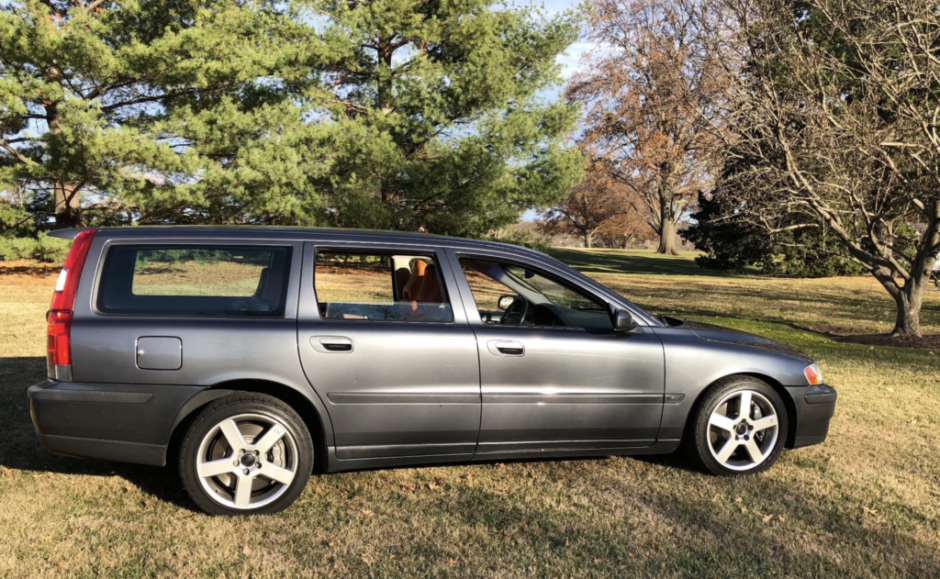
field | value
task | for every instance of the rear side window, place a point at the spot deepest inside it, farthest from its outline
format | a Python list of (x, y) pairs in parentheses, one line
[(195, 280), (380, 287)]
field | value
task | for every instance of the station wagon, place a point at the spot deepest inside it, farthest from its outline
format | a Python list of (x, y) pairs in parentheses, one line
[(253, 357)]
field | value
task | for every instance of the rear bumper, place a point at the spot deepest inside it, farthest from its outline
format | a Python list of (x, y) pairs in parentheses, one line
[(814, 407), (120, 422)]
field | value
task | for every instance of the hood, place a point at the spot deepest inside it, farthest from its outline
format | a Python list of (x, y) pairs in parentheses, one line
[(713, 333)]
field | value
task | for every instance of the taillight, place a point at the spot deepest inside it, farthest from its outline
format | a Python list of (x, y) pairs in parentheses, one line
[(813, 374), (59, 318)]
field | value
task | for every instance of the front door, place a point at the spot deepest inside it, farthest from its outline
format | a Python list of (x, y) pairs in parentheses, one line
[(390, 353), (555, 377)]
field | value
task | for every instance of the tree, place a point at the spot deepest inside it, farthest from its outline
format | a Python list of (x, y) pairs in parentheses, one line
[(153, 111), (597, 206), (433, 114), (651, 89), (839, 106), (731, 242)]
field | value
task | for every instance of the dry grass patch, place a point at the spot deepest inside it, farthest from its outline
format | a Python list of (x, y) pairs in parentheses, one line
[(864, 504)]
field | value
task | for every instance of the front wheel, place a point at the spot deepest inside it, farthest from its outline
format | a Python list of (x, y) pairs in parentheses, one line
[(246, 453), (740, 427)]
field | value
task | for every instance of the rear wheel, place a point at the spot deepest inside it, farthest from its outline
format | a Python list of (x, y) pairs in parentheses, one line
[(246, 453), (740, 427)]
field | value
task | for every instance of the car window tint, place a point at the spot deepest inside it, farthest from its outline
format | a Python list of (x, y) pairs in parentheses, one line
[(554, 291), (486, 290), (380, 287), (195, 280), (541, 299)]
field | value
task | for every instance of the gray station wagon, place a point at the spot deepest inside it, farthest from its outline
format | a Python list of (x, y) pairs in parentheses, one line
[(258, 355)]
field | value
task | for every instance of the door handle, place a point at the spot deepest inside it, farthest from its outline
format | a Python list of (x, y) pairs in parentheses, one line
[(332, 344), (509, 348)]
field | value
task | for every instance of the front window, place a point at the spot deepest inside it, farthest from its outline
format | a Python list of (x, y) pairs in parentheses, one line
[(512, 295)]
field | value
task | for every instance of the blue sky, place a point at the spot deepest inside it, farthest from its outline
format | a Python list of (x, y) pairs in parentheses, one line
[(568, 60)]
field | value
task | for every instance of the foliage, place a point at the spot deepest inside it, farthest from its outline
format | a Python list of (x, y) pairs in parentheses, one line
[(731, 243), (598, 209), (836, 111), (650, 90), (392, 114), (154, 111), (48, 249), (434, 117)]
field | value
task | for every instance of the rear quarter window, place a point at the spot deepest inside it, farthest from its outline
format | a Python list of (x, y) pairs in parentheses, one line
[(191, 280)]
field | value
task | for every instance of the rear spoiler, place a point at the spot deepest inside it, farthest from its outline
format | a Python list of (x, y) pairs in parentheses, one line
[(68, 233)]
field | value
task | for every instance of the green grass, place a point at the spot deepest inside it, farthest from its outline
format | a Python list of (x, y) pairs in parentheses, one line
[(631, 262), (864, 504)]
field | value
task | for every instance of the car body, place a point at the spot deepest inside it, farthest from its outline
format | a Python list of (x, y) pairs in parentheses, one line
[(164, 322)]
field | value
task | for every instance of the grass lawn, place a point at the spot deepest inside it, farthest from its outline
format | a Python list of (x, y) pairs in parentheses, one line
[(864, 504)]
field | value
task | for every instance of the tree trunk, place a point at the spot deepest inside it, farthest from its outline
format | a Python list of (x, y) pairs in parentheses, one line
[(909, 300), (667, 223), (588, 238), (68, 209), (667, 238)]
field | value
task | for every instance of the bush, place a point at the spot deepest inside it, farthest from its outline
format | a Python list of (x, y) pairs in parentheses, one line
[(731, 243), (46, 249)]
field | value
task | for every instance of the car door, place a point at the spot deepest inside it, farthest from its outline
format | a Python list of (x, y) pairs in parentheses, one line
[(385, 343), (569, 383)]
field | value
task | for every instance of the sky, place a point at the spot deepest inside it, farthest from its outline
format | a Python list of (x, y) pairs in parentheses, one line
[(569, 62)]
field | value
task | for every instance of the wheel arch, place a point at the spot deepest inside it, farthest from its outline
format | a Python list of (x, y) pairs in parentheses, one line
[(292, 397), (788, 403)]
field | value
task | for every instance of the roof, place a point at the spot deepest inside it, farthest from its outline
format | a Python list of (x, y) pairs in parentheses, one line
[(300, 234)]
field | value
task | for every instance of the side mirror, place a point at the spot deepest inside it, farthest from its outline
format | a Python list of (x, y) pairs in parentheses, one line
[(505, 301), (624, 322)]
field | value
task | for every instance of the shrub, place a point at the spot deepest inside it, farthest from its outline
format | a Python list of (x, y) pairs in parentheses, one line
[(46, 249)]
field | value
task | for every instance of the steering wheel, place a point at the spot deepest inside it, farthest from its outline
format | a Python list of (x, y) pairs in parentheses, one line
[(516, 312)]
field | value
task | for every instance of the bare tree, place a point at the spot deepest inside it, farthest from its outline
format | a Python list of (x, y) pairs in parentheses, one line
[(652, 89), (598, 206), (837, 116)]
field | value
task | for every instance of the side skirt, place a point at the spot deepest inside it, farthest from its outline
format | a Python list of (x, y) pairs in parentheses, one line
[(335, 464)]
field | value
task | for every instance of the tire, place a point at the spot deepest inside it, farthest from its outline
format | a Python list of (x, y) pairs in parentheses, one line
[(723, 441), (264, 471)]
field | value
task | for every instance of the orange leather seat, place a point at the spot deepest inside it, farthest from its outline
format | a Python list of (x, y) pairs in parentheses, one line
[(430, 291), (415, 282)]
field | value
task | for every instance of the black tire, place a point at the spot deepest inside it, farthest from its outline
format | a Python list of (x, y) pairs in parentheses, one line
[(256, 415), (704, 442)]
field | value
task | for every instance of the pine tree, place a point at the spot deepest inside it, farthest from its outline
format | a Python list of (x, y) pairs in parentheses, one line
[(154, 111), (433, 112)]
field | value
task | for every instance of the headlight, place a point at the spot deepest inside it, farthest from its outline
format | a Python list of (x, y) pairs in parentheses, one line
[(813, 374)]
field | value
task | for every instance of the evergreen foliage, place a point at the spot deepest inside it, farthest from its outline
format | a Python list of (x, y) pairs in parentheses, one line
[(391, 114)]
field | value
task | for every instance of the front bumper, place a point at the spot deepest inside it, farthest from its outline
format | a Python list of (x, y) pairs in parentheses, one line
[(120, 422), (814, 407)]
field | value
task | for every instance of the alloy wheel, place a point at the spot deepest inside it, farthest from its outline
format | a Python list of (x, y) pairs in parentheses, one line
[(742, 430), (247, 461)]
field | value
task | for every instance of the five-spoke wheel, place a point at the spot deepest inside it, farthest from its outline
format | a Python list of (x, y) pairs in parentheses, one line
[(246, 453), (739, 426)]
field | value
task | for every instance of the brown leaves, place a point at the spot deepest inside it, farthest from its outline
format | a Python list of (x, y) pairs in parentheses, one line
[(599, 210), (654, 102)]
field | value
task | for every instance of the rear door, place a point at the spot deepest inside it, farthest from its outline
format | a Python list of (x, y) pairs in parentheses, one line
[(384, 341)]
